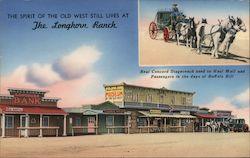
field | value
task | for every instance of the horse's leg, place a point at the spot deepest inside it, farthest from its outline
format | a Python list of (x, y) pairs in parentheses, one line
[(198, 44), (177, 38), (227, 48), (216, 44), (191, 42), (187, 41)]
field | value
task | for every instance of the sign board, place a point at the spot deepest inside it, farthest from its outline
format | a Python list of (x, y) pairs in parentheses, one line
[(185, 113), (223, 113), (114, 111), (157, 112), (26, 99), (114, 93), (14, 109)]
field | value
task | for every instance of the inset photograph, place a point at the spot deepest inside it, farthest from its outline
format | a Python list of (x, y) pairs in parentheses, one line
[(193, 32)]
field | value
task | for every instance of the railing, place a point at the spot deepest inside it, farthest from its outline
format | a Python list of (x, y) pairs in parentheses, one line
[(146, 105), (83, 127), (161, 129), (36, 128), (116, 127)]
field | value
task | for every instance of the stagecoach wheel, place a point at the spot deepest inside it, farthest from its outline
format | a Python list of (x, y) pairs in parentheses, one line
[(166, 34), (153, 30)]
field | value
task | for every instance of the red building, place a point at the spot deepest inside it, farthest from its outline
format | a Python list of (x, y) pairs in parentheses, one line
[(27, 112)]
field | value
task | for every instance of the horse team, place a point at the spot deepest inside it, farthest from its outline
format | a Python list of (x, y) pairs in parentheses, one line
[(202, 35)]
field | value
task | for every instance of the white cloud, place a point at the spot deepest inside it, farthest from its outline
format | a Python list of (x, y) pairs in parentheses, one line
[(243, 97), (85, 90), (42, 75), (80, 86), (16, 79), (77, 63), (222, 103), (147, 81)]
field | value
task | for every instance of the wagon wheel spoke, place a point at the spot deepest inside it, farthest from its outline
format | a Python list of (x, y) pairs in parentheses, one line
[(166, 34), (153, 30)]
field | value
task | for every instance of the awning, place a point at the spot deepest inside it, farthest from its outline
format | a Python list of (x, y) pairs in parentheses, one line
[(207, 116), (31, 110), (164, 114), (104, 112)]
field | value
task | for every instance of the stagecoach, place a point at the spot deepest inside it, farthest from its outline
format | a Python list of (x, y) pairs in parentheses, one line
[(238, 125), (165, 22)]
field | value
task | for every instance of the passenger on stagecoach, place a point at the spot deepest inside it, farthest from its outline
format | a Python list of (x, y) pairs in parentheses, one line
[(175, 8)]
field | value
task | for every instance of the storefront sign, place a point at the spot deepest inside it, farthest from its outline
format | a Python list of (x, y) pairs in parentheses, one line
[(158, 112), (185, 113), (26, 99), (114, 111), (14, 109), (225, 114), (114, 93)]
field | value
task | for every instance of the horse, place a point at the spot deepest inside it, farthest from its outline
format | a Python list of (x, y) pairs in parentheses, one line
[(214, 126), (214, 32), (187, 31), (231, 33), (208, 124)]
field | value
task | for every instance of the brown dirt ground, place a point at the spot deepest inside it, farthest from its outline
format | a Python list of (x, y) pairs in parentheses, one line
[(133, 145)]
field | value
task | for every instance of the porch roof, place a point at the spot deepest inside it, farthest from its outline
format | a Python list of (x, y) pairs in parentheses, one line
[(207, 116), (103, 112), (31, 110), (164, 114)]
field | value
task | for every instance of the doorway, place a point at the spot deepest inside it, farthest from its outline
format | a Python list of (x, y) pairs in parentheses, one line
[(91, 124), (23, 124)]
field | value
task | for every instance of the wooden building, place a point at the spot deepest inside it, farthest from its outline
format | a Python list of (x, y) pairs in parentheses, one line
[(154, 109), (97, 119), (27, 112)]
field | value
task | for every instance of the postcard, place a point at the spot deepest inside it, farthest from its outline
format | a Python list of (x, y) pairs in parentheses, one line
[(124, 78)]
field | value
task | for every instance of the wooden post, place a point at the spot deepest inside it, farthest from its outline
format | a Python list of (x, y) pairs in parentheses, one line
[(3, 125), (129, 119), (202, 122), (72, 130), (148, 123), (179, 125), (41, 125), (165, 124), (64, 125), (96, 124), (56, 132), (26, 125), (113, 124)]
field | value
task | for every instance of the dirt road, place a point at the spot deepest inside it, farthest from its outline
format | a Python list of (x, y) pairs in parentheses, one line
[(133, 145)]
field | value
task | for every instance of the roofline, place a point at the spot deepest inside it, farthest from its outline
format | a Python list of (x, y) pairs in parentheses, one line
[(29, 90), (221, 110), (131, 85)]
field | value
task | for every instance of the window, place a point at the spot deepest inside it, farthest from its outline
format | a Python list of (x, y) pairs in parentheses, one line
[(45, 121), (33, 120), (161, 98), (9, 121), (173, 100), (141, 122), (136, 97), (109, 120), (149, 98), (183, 100), (78, 121)]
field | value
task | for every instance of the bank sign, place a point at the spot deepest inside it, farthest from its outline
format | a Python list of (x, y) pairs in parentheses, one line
[(26, 99)]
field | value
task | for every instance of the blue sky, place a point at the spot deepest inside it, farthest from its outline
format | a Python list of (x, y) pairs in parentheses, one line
[(21, 46), (19, 42), (211, 9)]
